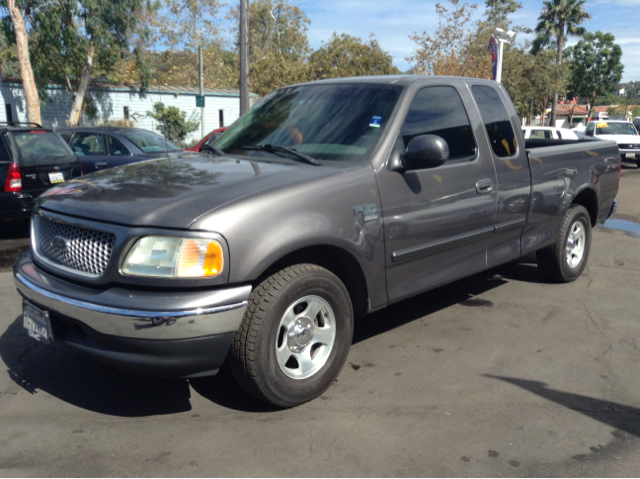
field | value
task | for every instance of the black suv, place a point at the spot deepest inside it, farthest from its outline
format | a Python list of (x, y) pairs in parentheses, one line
[(32, 159)]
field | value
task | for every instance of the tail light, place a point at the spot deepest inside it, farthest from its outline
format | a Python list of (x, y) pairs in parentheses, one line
[(14, 180)]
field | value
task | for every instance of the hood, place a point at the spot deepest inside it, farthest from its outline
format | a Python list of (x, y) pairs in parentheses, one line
[(172, 193), (622, 139)]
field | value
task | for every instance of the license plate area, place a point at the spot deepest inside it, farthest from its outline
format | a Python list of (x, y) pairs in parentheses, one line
[(630, 155), (37, 323), (56, 177)]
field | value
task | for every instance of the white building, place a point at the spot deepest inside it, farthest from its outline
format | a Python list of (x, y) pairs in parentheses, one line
[(124, 101)]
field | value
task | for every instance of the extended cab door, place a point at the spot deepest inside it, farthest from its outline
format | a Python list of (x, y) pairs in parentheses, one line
[(437, 221), (512, 169)]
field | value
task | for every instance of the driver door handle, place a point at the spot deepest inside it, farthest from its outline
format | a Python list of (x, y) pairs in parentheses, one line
[(484, 186)]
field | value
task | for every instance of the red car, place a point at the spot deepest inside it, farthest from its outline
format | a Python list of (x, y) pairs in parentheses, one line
[(210, 138)]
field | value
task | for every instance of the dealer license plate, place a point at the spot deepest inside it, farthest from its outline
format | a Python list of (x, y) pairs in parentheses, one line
[(56, 177), (37, 323), (630, 155)]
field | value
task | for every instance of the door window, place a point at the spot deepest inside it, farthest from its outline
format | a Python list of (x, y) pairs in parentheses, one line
[(87, 144), (116, 148), (439, 111), (496, 120), (540, 135), (590, 129)]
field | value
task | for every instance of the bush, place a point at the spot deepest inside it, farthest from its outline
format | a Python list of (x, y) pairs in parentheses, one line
[(173, 123)]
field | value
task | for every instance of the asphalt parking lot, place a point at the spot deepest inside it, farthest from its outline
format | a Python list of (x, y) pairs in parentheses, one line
[(500, 374)]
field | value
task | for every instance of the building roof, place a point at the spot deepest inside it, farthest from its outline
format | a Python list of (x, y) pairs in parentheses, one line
[(579, 110), (133, 87)]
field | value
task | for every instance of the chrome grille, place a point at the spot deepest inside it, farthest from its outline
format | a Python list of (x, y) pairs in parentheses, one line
[(75, 247)]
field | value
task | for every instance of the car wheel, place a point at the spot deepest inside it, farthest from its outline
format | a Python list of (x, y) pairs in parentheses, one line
[(565, 260), (295, 336)]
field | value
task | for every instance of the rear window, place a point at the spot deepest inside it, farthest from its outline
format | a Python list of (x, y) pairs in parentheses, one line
[(38, 147), (149, 142)]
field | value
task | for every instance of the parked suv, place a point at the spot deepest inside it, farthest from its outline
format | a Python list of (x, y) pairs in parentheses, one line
[(32, 159)]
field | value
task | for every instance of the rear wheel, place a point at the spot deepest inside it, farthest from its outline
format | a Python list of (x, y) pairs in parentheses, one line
[(565, 260), (295, 336)]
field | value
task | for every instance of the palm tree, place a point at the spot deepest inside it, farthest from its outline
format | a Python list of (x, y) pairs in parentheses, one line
[(558, 19)]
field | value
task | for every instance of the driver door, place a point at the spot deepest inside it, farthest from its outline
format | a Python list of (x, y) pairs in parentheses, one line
[(437, 221)]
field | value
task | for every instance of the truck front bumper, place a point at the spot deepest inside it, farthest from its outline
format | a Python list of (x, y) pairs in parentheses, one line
[(157, 333)]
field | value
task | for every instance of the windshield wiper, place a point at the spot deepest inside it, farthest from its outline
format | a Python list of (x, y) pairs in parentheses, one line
[(283, 149), (213, 149)]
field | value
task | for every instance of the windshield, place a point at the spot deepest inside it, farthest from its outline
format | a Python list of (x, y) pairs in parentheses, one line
[(604, 128), (338, 122), (38, 147), (149, 142)]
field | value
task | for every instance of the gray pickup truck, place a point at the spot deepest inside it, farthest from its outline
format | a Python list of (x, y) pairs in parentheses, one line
[(326, 200)]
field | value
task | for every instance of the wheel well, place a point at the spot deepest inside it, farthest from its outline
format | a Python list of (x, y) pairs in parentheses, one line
[(589, 200), (336, 260)]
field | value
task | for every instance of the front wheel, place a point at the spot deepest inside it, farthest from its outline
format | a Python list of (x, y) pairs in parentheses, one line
[(295, 336), (565, 260)]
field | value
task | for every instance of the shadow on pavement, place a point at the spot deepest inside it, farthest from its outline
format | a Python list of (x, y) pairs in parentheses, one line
[(223, 390), (622, 417), (86, 383), (460, 292)]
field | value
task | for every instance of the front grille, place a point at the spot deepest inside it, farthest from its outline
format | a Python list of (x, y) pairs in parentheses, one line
[(629, 147), (75, 247)]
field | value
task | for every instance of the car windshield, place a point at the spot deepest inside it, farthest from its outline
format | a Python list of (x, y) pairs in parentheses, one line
[(606, 128), (38, 147), (149, 142), (337, 122)]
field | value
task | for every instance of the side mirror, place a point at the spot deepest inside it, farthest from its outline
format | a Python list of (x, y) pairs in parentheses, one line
[(425, 151)]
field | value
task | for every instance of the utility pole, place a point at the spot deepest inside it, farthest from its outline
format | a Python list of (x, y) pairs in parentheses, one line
[(244, 56), (201, 88)]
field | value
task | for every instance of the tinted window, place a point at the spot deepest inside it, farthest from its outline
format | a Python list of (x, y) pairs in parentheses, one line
[(116, 148), (149, 142), (540, 134), (439, 111), (87, 144), (589, 130), (337, 122), (37, 147), (496, 120)]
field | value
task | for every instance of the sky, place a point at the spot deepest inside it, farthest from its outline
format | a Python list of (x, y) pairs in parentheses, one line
[(392, 21)]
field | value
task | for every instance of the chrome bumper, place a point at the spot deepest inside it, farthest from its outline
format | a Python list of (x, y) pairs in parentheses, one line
[(117, 312)]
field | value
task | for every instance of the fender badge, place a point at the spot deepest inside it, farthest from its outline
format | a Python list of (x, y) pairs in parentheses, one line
[(369, 212)]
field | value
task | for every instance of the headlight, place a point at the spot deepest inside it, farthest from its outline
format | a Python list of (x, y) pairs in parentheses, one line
[(170, 257)]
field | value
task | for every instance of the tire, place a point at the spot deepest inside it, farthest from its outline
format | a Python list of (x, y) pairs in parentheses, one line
[(282, 353), (565, 260)]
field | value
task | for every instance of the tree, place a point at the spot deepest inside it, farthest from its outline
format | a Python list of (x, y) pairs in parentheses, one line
[(278, 45), (17, 13), (596, 68), (451, 50), (558, 19), (532, 80), (72, 37), (173, 123), (345, 56)]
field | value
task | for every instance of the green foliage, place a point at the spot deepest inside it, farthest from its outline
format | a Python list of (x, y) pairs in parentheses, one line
[(173, 123), (347, 56), (278, 45), (531, 80), (596, 68), (559, 18)]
